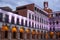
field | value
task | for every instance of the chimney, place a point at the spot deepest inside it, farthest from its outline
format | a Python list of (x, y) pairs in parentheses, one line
[(45, 4)]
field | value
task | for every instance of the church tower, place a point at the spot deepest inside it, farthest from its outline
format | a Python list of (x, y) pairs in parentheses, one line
[(47, 9), (45, 4)]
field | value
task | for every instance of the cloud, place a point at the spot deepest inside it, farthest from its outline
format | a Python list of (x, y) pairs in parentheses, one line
[(53, 4)]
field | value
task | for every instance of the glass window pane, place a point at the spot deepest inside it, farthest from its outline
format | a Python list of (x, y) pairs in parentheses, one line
[(17, 21), (12, 20), (1, 16), (7, 18), (22, 22)]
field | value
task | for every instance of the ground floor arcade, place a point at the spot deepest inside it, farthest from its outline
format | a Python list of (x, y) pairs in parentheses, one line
[(26, 33)]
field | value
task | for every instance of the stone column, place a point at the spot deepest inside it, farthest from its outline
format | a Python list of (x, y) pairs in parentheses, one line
[(9, 36), (30, 36), (39, 36), (25, 36), (35, 36), (18, 35)]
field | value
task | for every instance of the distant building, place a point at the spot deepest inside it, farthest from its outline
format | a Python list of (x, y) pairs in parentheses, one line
[(55, 21), (6, 9)]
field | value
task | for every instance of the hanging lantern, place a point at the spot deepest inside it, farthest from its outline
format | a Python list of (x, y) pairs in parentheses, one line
[(5, 28), (14, 29)]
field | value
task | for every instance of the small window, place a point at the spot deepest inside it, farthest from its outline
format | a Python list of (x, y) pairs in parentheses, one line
[(53, 23), (32, 25), (38, 26), (29, 24), (32, 17), (21, 8), (53, 28), (50, 29), (17, 21), (35, 25), (6, 34), (35, 18), (14, 35), (57, 22), (42, 20), (56, 14), (38, 19), (29, 16), (35, 8), (7, 18), (50, 23), (21, 35), (26, 23), (12, 20), (16, 12), (1, 16), (22, 22)]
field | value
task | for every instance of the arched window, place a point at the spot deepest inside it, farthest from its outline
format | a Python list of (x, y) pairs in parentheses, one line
[(37, 33), (5, 30), (46, 35), (51, 35), (41, 35), (6, 34), (14, 35), (28, 33), (1, 16), (57, 35), (33, 34), (21, 33)]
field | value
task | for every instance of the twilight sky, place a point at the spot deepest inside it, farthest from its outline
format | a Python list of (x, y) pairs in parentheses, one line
[(53, 4)]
